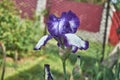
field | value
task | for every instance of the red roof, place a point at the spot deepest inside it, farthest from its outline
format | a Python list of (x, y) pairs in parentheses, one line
[(89, 14)]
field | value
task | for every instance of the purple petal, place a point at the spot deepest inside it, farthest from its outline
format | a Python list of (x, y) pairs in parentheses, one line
[(58, 44), (73, 21), (67, 23), (52, 17), (86, 47), (53, 25), (62, 26), (73, 40), (42, 42), (74, 49)]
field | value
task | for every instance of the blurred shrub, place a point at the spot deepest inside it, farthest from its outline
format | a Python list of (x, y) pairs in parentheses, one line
[(96, 71), (17, 34), (118, 6)]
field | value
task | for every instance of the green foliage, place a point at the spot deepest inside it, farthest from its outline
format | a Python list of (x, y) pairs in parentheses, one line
[(118, 6), (33, 68), (91, 1), (93, 70), (117, 72), (17, 34)]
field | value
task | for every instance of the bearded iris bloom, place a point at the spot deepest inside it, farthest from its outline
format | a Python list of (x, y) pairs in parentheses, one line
[(62, 29)]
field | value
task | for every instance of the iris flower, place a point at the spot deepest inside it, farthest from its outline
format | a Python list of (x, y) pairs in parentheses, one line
[(63, 30)]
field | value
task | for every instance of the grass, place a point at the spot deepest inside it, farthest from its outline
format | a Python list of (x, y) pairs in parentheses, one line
[(32, 68)]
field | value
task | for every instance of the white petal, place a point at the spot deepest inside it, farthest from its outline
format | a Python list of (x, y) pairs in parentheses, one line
[(42, 41), (74, 40)]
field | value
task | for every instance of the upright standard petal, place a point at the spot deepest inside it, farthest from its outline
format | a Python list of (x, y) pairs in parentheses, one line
[(42, 42), (53, 25), (73, 21), (73, 40), (67, 23), (63, 24)]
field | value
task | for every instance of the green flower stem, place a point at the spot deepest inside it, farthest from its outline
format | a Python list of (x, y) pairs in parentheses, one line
[(64, 69)]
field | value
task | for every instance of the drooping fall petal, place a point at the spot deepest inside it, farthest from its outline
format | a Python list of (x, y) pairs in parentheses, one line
[(73, 40), (42, 42)]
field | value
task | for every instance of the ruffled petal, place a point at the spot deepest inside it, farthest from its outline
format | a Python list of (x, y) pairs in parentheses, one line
[(53, 24), (73, 40), (62, 26), (73, 22), (67, 23), (42, 42)]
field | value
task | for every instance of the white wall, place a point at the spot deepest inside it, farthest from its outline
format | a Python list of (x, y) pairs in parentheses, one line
[(41, 5)]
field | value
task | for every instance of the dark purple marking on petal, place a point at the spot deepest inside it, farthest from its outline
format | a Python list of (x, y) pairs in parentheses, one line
[(74, 49), (53, 24), (72, 22), (35, 48), (67, 23), (63, 14), (52, 18), (48, 38), (66, 43), (86, 46), (53, 28), (61, 27), (58, 44), (42, 42), (74, 40)]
